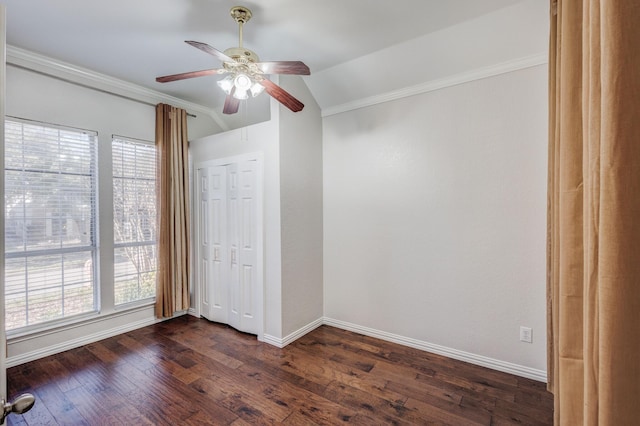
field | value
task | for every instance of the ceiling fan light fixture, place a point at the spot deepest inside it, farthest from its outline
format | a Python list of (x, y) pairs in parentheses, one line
[(239, 85), (242, 82), (226, 84), (240, 94), (256, 89)]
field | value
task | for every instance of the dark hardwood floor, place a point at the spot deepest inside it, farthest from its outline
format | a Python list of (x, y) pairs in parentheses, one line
[(189, 371)]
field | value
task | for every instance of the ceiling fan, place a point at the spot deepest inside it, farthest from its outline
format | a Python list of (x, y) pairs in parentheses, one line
[(246, 74)]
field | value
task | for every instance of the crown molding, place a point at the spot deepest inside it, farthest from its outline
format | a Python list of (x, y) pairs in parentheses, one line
[(85, 77), (430, 86)]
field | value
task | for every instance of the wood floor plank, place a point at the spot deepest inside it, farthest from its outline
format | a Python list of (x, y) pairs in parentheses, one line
[(481, 386), (368, 405), (450, 415), (233, 394), (523, 413), (58, 373), (66, 412), (172, 361), (92, 406), (193, 372), (257, 359), (344, 373), (319, 410)]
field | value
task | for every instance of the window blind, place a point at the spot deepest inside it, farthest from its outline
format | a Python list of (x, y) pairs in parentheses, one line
[(50, 222), (134, 219)]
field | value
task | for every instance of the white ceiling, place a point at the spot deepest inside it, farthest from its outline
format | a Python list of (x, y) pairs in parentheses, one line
[(138, 40)]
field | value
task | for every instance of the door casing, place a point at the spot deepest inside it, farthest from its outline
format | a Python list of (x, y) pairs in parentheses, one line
[(3, 337)]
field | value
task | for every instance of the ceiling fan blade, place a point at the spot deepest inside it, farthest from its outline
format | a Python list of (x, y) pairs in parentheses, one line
[(191, 74), (284, 67), (210, 50), (282, 95), (231, 104)]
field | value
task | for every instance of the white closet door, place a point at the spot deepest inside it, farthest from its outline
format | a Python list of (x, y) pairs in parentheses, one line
[(228, 249)]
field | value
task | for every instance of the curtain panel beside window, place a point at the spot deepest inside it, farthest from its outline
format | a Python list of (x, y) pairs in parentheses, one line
[(172, 286), (594, 212)]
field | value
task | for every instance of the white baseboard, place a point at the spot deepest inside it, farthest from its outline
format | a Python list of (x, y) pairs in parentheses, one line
[(282, 342), (480, 360), (483, 361), (80, 341), (75, 343), (272, 340)]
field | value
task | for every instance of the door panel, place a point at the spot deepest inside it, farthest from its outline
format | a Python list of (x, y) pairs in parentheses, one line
[(247, 295), (248, 237), (218, 237), (232, 228), (205, 242)]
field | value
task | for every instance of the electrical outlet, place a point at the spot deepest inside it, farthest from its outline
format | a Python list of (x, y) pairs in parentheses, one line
[(526, 334)]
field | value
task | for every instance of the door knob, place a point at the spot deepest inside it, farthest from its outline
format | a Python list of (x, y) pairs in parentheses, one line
[(20, 405)]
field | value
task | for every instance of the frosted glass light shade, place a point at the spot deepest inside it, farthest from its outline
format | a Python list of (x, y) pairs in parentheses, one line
[(226, 84), (256, 89), (242, 82), (240, 94)]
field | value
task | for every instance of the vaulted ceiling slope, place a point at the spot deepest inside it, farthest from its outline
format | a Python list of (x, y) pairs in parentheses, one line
[(356, 49)]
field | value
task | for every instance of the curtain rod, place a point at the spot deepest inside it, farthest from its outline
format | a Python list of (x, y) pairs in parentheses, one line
[(86, 86)]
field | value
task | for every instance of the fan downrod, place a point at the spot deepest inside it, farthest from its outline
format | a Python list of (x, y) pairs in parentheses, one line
[(241, 54)]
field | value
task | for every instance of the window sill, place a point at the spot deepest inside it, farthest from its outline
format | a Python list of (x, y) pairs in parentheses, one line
[(134, 305)]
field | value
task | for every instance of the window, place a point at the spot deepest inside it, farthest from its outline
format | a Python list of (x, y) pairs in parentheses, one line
[(134, 219), (50, 223)]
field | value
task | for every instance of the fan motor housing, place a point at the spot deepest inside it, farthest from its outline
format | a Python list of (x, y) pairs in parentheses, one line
[(242, 54)]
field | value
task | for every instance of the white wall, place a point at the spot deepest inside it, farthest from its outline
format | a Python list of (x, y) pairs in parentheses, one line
[(434, 218), (301, 210)]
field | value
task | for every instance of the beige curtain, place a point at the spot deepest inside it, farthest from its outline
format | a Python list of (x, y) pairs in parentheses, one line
[(172, 292), (594, 212)]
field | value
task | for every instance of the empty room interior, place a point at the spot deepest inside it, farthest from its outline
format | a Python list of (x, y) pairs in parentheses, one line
[(309, 213)]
